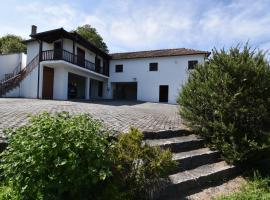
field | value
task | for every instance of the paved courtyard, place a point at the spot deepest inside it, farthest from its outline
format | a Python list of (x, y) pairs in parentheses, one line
[(116, 115)]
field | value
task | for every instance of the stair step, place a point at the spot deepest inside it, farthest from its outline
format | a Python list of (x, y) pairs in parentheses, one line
[(192, 159), (199, 177), (166, 134), (178, 144)]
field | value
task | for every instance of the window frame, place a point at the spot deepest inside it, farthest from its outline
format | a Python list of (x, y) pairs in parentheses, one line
[(155, 65), (192, 64), (117, 70)]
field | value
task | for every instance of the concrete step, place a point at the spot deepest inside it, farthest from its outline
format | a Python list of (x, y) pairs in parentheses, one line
[(178, 144), (166, 134), (203, 176), (191, 159)]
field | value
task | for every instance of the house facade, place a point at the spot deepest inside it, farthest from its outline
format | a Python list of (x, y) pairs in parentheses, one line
[(62, 65)]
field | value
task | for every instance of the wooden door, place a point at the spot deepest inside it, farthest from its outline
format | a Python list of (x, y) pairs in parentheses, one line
[(57, 54), (48, 75), (163, 93), (81, 57)]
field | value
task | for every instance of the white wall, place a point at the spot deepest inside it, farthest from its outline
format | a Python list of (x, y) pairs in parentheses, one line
[(27, 88), (172, 71), (32, 50), (9, 62)]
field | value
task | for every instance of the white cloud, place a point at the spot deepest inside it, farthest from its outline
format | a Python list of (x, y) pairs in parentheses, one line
[(136, 25)]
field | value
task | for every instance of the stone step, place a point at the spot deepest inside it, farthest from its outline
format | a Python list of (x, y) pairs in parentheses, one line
[(178, 144), (195, 158), (166, 134), (200, 177)]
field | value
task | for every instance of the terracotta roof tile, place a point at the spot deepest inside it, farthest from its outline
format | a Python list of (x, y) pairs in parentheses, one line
[(157, 53)]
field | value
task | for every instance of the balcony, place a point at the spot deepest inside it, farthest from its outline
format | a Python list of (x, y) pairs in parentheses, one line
[(69, 57)]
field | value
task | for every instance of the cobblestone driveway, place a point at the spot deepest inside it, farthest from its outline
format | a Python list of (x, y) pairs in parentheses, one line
[(116, 115)]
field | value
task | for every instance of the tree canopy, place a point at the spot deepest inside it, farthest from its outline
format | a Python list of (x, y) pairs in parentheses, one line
[(90, 33), (11, 44)]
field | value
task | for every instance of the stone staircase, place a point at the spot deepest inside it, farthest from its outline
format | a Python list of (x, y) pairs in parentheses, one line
[(16, 77), (198, 166)]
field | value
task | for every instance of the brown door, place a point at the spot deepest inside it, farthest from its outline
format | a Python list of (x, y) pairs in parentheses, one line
[(163, 93), (47, 91), (81, 57), (57, 54)]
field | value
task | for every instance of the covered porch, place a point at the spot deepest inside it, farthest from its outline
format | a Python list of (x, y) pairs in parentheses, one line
[(62, 81)]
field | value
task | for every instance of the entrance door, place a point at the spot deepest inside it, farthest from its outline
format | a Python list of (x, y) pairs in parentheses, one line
[(100, 88), (163, 93), (47, 91), (81, 57), (57, 54)]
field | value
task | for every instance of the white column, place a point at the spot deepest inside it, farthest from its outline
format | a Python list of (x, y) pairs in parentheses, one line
[(87, 88), (40, 80)]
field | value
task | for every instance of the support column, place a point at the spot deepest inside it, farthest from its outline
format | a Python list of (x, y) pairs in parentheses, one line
[(40, 85), (87, 88)]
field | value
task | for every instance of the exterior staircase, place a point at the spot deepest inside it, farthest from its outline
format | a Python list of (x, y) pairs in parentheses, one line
[(14, 79), (198, 167)]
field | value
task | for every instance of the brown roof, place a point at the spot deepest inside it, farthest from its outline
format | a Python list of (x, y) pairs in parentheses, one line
[(158, 53)]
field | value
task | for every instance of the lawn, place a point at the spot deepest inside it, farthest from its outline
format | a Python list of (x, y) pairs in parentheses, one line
[(257, 188)]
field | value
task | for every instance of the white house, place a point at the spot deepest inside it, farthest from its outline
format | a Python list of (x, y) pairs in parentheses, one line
[(63, 65)]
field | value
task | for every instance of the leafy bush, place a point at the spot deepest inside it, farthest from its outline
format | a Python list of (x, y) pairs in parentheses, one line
[(138, 168), (56, 157), (71, 157), (227, 101), (7, 193)]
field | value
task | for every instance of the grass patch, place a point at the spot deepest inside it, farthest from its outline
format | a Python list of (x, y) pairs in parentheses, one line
[(257, 188)]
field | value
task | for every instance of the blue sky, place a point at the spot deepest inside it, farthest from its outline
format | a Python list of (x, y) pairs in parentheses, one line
[(131, 25)]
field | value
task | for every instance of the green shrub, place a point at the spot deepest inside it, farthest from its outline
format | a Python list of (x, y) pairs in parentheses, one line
[(139, 168), (57, 157), (71, 157), (7, 193), (227, 101)]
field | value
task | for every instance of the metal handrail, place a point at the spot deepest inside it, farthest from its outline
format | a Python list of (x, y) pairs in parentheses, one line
[(67, 56)]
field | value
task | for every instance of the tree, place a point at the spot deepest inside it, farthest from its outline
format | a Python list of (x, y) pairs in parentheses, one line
[(90, 33), (11, 44)]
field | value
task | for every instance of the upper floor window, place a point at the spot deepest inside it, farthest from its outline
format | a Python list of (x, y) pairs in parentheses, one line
[(118, 68), (153, 66), (192, 64)]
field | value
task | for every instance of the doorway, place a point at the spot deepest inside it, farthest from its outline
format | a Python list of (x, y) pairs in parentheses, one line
[(80, 57), (57, 53), (163, 93), (100, 89), (76, 86), (125, 91), (48, 75)]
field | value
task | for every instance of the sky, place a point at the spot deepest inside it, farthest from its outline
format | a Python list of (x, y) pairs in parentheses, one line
[(134, 25)]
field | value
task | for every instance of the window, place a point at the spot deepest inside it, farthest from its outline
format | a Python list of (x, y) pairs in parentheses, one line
[(153, 66), (118, 68), (192, 64)]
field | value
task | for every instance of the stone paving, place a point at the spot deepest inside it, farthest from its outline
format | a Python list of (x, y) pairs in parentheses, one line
[(116, 115)]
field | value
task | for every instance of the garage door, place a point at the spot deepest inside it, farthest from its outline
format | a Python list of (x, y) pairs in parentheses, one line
[(125, 91)]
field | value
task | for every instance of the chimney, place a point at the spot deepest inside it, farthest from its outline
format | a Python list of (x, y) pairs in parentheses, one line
[(34, 30)]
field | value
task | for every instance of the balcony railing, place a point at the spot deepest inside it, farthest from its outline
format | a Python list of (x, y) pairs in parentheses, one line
[(74, 59)]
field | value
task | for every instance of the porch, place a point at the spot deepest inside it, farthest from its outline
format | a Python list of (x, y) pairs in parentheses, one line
[(60, 80)]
